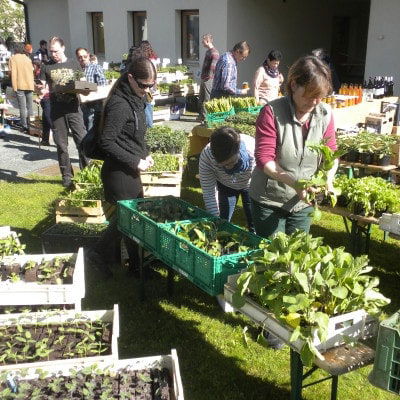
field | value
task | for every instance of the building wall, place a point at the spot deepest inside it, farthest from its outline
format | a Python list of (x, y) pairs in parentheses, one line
[(271, 24), (383, 50), (48, 18), (163, 24)]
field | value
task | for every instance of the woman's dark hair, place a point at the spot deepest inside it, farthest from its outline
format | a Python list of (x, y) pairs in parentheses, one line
[(19, 48), (273, 55), (224, 143), (142, 68), (241, 47), (311, 73)]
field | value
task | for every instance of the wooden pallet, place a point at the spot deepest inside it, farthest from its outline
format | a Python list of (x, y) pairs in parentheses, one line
[(95, 215)]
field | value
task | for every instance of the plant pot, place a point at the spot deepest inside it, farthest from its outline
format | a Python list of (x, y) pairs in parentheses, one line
[(342, 201), (358, 209), (366, 158), (353, 156), (385, 160)]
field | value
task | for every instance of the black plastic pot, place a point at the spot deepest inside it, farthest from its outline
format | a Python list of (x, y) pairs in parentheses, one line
[(353, 156), (342, 201), (367, 158), (385, 160), (359, 209)]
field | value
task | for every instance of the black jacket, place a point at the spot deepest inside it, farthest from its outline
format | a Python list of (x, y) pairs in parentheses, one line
[(124, 128)]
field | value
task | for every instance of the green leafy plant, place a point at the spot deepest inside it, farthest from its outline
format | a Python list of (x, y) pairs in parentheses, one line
[(90, 174), (223, 104), (318, 182), (164, 163), (163, 139), (243, 102), (303, 283), (10, 245)]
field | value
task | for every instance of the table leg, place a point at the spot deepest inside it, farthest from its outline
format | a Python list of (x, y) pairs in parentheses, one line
[(170, 281), (335, 380), (296, 375), (142, 293)]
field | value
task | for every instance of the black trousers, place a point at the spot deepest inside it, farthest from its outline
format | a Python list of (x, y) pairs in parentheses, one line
[(119, 183), (62, 123), (46, 118)]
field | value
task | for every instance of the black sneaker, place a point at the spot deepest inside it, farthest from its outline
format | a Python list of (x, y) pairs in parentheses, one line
[(67, 183)]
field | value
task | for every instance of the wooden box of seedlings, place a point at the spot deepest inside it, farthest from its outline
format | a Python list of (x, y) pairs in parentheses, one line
[(58, 339), (77, 87), (164, 179), (356, 325), (161, 114), (156, 377), (90, 211), (141, 219), (206, 251), (42, 279)]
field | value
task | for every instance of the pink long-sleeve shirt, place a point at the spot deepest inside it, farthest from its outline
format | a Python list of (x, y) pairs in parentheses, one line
[(266, 136)]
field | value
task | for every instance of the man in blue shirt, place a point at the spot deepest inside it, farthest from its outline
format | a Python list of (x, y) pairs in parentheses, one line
[(94, 73), (225, 77)]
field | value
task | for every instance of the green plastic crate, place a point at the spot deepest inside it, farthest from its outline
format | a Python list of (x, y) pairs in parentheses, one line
[(208, 272), (251, 110), (386, 371), (212, 118), (134, 224)]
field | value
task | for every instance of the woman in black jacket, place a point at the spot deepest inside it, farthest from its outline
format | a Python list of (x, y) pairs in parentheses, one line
[(123, 142)]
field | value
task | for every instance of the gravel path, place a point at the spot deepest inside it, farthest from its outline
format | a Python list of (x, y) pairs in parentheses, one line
[(21, 155)]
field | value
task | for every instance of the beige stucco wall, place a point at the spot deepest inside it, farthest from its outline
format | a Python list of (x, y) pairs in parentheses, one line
[(383, 50), (48, 18)]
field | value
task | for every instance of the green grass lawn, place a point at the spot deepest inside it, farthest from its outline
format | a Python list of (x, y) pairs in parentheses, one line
[(216, 363)]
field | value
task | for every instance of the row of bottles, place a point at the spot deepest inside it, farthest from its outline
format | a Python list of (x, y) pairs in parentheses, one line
[(379, 87), (352, 90)]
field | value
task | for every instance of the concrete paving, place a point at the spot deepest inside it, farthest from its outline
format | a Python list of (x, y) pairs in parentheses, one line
[(20, 154)]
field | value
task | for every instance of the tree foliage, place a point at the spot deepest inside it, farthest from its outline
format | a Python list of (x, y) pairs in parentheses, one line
[(12, 20)]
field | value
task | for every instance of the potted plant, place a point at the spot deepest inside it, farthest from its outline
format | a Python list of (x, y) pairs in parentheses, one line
[(304, 285)]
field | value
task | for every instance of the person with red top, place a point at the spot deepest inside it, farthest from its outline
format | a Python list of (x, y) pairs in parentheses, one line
[(284, 128)]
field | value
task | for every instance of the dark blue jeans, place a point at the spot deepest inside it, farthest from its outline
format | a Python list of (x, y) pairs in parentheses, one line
[(269, 220), (46, 118), (149, 115), (227, 199)]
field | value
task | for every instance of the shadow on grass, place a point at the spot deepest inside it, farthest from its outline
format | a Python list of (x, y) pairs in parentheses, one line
[(9, 175), (159, 324)]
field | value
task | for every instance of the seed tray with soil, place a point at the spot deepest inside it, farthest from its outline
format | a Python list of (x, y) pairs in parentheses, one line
[(148, 378), (42, 279), (35, 308), (38, 339)]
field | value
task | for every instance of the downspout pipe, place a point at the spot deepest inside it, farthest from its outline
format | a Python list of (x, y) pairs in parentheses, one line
[(27, 30)]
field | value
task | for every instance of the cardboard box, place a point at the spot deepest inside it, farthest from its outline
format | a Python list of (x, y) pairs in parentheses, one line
[(380, 122), (76, 87)]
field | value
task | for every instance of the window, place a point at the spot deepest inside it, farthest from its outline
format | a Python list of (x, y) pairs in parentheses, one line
[(98, 33), (190, 35), (139, 23)]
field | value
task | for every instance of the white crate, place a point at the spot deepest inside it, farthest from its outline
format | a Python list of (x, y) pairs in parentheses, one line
[(60, 317), (390, 223), (161, 115), (356, 325), (169, 361), (32, 293)]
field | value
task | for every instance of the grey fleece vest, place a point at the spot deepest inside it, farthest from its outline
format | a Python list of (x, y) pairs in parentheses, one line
[(292, 154)]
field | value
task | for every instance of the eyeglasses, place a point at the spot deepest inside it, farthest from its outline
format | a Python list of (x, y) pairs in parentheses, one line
[(144, 85)]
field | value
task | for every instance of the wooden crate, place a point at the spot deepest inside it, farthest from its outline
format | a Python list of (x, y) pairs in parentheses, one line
[(76, 87), (162, 190), (96, 215)]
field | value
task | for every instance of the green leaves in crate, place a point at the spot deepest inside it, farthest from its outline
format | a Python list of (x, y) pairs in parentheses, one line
[(164, 162), (166, 140), (303, 283), (218, 105), (242, 118), (78, 198), (214, 237), (10, 245), (243, 102), (90, 174)]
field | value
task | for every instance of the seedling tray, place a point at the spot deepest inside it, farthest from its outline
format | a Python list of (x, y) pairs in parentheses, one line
[(134, 224), (160, 178), (386, 371), (212, 118), (34, 293), (61, 317), (54, 241), (169, 361), (251, 110), (207, 272), (356, 325), (76, 87)]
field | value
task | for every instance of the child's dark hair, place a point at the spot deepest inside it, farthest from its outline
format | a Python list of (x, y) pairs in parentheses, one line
[(224, 143)]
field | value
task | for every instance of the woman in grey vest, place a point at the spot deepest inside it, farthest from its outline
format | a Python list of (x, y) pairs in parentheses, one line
[(285, 127)]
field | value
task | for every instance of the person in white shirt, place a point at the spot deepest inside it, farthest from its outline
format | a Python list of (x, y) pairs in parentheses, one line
[(225, 168)]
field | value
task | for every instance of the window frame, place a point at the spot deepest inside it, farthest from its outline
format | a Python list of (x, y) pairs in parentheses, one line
[(184, 40), (98, 41), (135, 27)]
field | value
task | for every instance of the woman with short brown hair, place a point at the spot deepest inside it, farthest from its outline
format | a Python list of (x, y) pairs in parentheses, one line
[(284, 128)]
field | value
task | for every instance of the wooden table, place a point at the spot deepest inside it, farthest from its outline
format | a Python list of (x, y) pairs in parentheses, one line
[(383, 169), (360, 227), (338, 361)]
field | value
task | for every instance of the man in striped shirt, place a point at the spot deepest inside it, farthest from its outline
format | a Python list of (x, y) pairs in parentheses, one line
[(225, 77), (225, 168), (207, 72)]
